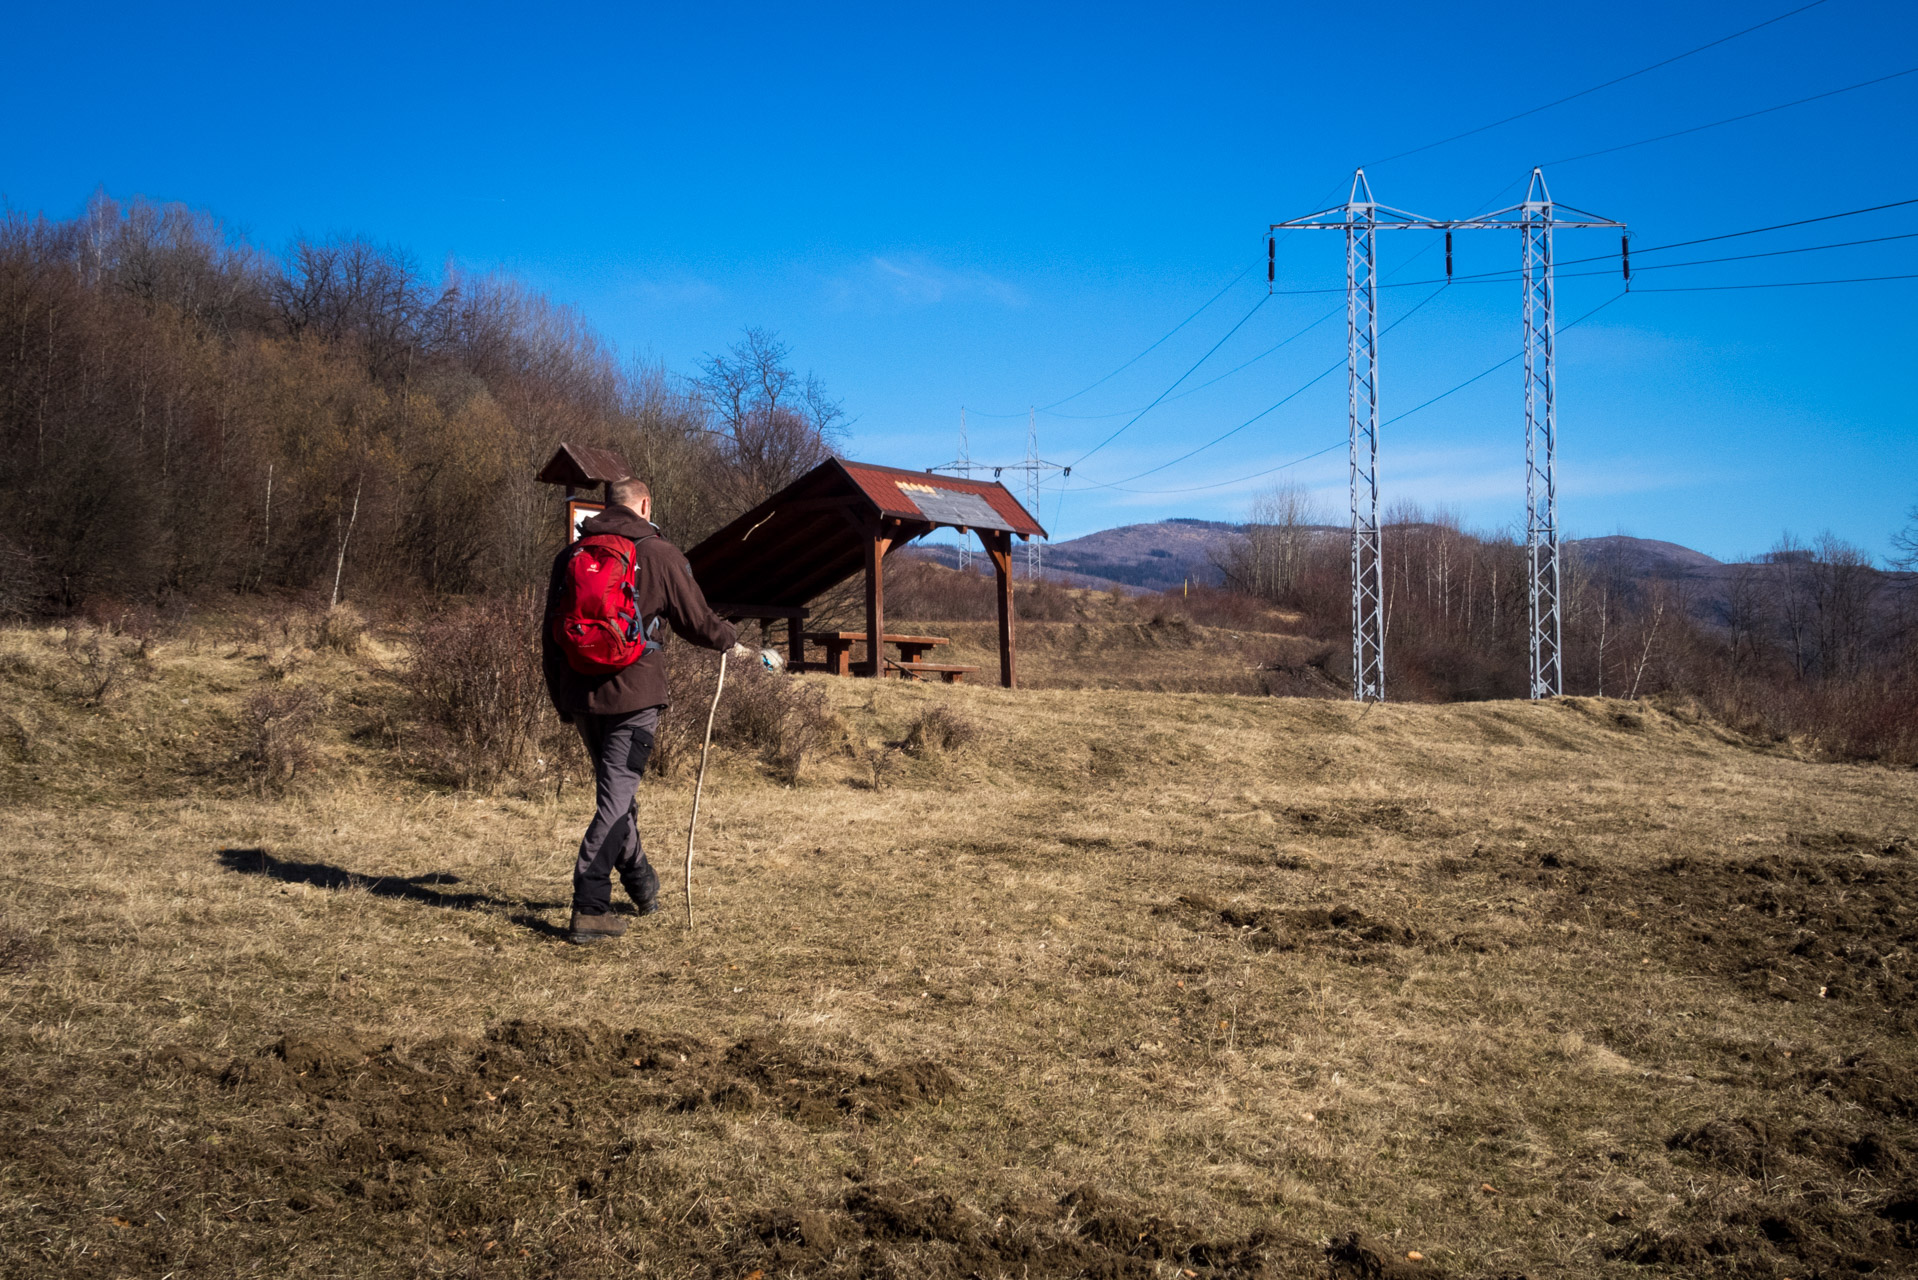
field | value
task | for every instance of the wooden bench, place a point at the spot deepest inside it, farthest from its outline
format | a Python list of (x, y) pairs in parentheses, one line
[(838, 646), (926, 670)]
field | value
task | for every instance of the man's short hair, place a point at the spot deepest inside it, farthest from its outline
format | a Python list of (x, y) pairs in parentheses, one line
[(628, 492)]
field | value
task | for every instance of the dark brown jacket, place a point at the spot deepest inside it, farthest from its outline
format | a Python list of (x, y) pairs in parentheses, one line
[(666, 591)]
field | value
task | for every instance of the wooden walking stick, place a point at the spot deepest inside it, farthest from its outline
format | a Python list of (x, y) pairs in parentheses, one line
[(700, 785)]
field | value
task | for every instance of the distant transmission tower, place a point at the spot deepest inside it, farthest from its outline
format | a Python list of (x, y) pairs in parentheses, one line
[(1032, 490), (965, 469), (1035, 469), (1359, 217)]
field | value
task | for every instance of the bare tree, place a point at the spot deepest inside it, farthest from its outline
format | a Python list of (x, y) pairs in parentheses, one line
[(1845, 586), (1794, 598), (1271, 557), (776, 425), (1905, 543)]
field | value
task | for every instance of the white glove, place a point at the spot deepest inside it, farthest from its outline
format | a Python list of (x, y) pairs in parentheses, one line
[(740, 652)]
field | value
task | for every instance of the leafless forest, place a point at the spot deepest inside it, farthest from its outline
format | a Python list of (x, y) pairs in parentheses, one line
[(184, 413)]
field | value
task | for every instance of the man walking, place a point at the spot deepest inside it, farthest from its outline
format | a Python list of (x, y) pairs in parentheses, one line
[(616, 708)]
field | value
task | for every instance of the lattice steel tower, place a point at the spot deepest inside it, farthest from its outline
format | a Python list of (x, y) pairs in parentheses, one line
[(1362, 395), (1361, 218), (1541, 438)]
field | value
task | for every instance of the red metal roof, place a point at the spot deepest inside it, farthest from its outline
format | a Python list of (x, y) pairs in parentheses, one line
[(881, 484)]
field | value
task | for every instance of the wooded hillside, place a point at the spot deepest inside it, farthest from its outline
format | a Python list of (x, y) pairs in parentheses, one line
[(181, 410)]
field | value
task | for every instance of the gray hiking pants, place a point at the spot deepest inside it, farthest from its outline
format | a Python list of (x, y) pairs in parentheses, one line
[(620, 746)]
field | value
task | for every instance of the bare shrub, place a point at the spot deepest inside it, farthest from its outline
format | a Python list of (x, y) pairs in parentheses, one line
[(1213, 607), (100, 665), (278, 726), (342, 629), (782, 720), (881, 762), (1299, 668), (478, 691), (940, 730), (285, 661)]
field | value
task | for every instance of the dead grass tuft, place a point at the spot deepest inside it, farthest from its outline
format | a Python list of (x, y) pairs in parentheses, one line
[(278, 727), (940, 730), (342, 629)]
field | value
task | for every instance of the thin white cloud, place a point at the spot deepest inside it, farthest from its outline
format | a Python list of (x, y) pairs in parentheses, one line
[(912, 280)]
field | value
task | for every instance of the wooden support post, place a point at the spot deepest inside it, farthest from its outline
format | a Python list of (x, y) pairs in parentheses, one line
[(999, 548), (876, 602), (796, 643)]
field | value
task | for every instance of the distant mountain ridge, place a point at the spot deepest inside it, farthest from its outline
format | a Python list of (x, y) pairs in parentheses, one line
[(1164, 554)]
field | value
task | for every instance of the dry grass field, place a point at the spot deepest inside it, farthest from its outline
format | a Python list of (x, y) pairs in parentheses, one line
[(1134, 984)]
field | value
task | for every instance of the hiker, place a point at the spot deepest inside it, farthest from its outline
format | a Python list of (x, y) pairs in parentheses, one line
[(612, 698)]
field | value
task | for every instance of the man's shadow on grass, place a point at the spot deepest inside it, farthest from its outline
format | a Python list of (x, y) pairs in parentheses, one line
[(421, 889)]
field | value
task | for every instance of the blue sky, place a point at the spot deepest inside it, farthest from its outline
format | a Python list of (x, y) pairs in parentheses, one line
[(993, 207)]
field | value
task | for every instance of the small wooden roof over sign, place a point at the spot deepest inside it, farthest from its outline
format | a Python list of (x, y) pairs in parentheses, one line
[(814, 534), (581, 467)]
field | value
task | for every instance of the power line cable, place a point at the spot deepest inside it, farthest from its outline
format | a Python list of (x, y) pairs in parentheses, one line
[(1135, 359), (1507, 275), (1292, 395), (1665, 137), (1500, 365), (1192, 391), (1776, 226), (1257, 475), (1772, 284), (1181, 378), (1559, 102)]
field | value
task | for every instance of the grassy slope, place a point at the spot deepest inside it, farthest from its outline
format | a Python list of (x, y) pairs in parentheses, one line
[(1140, 983)]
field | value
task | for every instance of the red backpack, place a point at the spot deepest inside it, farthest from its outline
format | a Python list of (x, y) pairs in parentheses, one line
[(598, 625)]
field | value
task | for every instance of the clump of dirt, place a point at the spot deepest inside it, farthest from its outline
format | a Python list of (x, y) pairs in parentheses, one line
[(1871, 1083), (893, 1228), (1352, 1257), (448, 1085), (1341, 927), (1757, 1149), (20, 951), (1814, 1204), (1339, 821), (1353, 928), (1787, 926), (1775, 1235)]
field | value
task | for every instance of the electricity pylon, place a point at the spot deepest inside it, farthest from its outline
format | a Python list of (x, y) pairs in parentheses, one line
[(1361, 218)]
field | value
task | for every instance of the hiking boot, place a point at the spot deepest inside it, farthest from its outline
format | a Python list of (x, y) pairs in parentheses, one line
[(601, 928), (642, 887)]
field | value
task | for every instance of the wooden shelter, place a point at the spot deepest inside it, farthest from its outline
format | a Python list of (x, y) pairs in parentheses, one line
[(578, 467), (843, 517)]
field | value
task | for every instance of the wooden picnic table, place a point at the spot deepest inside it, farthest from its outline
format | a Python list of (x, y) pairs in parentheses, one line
[(838, 646)]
